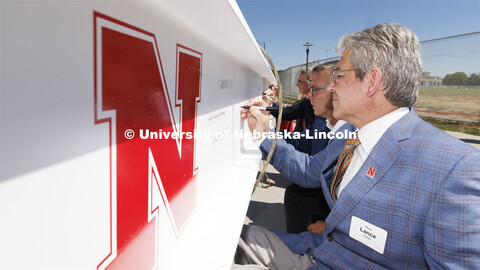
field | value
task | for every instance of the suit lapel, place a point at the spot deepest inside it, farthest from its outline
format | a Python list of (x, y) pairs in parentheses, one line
[(382, 157), (332, 152)]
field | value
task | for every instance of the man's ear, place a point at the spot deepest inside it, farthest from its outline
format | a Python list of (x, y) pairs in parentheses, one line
[(374, 81)]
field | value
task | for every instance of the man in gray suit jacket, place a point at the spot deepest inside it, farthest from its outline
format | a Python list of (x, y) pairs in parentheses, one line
[(403, 195)]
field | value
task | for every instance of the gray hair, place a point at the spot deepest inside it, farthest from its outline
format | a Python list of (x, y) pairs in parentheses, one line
[(327, 65), (304, 72), (395, 51)]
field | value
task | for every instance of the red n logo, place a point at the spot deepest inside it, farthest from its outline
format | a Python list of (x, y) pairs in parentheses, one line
[(131, 93), (371, 172)]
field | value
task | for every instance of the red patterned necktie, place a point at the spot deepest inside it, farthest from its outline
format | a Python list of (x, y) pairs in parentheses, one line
[(342, 164)]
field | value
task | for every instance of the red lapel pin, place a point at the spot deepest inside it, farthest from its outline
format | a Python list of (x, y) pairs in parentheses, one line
[(371, 172)]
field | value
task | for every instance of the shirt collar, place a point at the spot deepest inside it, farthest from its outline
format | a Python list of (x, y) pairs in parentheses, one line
[(337, 125), (371, 133)]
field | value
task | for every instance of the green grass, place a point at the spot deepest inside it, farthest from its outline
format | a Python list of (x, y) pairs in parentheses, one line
[(451, 125), (449, 91)]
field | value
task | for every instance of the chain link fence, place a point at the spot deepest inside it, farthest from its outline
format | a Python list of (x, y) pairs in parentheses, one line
[(450, 87)]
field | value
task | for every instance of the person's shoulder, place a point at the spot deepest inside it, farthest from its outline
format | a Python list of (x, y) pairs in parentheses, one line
[(305, 102), (433, 151), (438, 148), (415, 132), (440, 139)]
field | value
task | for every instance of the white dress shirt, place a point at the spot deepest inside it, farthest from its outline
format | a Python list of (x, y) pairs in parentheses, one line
[(334, 128), (369, 135)]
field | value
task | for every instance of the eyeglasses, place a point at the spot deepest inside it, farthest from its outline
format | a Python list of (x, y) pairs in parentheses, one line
[(313, 89), (336, 70), (300, 82)]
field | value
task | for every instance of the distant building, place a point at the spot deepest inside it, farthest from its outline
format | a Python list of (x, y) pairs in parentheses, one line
[(288, 77), (431, 81)]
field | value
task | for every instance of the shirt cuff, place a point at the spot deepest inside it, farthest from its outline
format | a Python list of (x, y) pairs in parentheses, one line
[(271, 134), (272, 122), (258, 141)]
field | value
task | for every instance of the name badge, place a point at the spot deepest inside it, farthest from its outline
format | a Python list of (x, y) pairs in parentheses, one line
[(372, 236)]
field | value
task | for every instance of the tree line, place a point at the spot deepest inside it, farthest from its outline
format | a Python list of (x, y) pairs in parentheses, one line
[(460, 78)]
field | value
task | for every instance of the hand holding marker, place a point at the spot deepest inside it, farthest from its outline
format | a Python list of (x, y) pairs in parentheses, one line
[(261, 108)]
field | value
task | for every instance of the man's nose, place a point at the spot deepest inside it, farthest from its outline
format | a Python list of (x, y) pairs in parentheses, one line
[(309, 95), (331, 86)]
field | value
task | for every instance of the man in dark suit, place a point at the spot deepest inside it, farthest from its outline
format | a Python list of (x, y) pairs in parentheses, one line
[(403, 194), (305, 206)]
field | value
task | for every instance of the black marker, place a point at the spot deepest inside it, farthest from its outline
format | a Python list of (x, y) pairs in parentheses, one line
[(261, 108)]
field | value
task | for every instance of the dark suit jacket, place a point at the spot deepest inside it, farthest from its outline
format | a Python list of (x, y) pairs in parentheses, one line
[(298, 110), (311, 146)]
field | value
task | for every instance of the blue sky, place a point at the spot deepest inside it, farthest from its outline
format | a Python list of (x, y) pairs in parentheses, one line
[(284, 25)]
